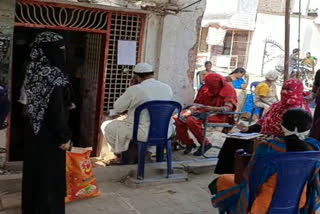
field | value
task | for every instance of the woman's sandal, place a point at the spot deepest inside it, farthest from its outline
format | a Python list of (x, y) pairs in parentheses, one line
[(189, 149)]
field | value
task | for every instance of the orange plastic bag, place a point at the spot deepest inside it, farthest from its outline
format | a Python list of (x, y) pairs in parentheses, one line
[(81, 183)]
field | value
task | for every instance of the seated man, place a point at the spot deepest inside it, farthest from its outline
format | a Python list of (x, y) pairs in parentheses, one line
[(4, 106), (118, 133), (216, 95)]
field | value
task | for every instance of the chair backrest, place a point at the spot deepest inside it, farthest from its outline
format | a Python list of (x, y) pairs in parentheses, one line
[(160, 113), (253, 86), (294, 169)]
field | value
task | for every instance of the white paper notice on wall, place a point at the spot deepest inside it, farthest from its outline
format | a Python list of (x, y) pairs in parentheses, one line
[(127, 52)]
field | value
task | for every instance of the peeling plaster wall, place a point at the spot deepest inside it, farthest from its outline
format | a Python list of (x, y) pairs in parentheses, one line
[(178, 51), (152, 38)]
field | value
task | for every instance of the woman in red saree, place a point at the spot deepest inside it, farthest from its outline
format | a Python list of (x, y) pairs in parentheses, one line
[(216, 95)]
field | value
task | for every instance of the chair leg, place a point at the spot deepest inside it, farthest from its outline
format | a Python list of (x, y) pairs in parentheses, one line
[(239, 117), (141, 160), (252, 114), (261, 113), (160, 152), (124, 158), (203, 143), (169, 159)]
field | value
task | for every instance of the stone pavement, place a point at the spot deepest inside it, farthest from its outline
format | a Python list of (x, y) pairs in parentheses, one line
[(190, 197)]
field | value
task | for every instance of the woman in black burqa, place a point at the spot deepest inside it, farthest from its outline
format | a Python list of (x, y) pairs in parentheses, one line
[(47, 135)]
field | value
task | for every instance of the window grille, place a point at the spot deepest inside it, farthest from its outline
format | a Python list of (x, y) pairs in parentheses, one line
[(123, 27), (50, 16)]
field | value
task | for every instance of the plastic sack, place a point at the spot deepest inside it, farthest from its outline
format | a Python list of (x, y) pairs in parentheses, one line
[(81, 183)]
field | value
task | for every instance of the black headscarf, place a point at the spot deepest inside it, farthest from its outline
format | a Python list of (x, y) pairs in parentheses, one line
[(44, 72)]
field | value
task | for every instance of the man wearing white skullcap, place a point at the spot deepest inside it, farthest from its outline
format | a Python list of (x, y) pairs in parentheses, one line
[(118, 133)]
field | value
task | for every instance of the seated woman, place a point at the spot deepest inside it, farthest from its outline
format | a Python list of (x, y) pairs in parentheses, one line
[(239, 80), (226, 193), (266, 91), (235, 78), (202, 74), (269, 124), (216, 95)]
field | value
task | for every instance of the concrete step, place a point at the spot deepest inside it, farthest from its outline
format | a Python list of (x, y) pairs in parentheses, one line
[(10, 183), (10, 202), (11, 211)]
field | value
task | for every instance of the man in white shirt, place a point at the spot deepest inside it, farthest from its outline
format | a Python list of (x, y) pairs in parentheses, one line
[(118, 133)]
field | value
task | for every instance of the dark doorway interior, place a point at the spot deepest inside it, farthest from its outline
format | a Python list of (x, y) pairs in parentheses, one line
[(84, 60)]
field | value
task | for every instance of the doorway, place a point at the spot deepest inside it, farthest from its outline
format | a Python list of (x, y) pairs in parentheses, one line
[(92, 36), (85, 54)]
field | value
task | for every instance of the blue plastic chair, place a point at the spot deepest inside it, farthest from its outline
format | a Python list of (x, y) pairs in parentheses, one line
[(294, 170), (160, 113), (253, 86)]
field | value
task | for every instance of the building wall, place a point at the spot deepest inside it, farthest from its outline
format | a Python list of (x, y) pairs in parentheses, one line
[(271, 6), (178, 51), (6, 31), (170, 41), (272, 27)]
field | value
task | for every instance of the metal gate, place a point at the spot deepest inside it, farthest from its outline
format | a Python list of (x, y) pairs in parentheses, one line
[(123, 27)]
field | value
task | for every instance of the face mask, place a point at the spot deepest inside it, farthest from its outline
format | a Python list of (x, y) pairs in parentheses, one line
[(300, 135)]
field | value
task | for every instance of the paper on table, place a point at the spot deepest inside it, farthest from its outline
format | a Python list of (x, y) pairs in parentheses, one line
[(240, 134), (127, 52)]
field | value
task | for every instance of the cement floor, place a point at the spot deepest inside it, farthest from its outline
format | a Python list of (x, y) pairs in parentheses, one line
[(191, 197)]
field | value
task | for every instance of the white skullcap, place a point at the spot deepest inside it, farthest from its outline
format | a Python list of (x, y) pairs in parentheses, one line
[(272, 75), (143, 68)]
